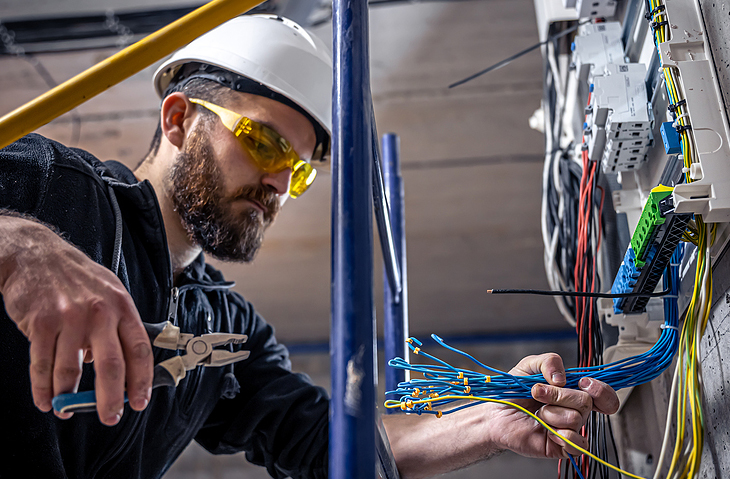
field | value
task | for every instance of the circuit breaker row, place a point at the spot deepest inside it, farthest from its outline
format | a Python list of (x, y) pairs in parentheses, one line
[(618, 121)]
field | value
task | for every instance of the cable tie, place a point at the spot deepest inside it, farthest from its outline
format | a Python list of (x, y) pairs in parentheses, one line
[(461, 375), (409, 340), (439, 414), (681, 128), (667, 326), (428, 407), (648, 15), (433, 395), (416, 392), (415, 350), (403, 406), (676, 123), (488, 379), (656, 25), (673, 106), (409, 404), (467, 390)]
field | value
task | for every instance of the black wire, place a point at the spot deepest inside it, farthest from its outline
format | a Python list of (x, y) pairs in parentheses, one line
[(542, 292), (613, 442), (510, 59)]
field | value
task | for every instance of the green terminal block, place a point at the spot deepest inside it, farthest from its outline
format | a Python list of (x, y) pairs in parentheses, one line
[(651, 217)]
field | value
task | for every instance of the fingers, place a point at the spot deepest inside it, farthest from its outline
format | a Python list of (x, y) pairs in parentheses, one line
[(550, 365), (594, 396), (67, 365), (567, 410), (561, 418), (88, 356), (138, 355), (42, 352), (566, 399), (110, 373), (571, 436), (604, 397)]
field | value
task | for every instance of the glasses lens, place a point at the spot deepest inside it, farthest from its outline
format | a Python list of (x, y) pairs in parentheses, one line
[(266, 156), (272, 153), (302, 177)]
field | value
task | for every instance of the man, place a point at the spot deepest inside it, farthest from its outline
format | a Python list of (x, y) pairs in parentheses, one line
[(90, 250)]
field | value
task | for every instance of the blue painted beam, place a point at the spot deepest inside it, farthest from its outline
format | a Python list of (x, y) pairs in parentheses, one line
[(382, 217), (395, 328), (352, 409)]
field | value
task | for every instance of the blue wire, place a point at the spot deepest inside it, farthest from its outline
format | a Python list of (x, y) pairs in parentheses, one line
[(577, 471), (444, 379)]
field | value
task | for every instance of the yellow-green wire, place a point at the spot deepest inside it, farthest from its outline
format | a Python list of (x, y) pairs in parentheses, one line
[(393, 404)]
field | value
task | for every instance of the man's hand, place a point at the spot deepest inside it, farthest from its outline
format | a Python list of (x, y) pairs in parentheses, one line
[(566, 410), (70, 307)]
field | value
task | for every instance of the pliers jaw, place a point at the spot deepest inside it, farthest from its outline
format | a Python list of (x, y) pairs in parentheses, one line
[(199, 351)]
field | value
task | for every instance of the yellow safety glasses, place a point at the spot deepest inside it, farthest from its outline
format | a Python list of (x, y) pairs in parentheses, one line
[(271, 152)]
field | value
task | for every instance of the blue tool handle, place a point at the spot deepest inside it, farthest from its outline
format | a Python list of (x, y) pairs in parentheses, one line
[(77, 402), (86, 401)]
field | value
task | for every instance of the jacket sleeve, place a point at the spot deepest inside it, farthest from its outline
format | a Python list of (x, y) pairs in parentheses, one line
[(279, 418), (25, 169)]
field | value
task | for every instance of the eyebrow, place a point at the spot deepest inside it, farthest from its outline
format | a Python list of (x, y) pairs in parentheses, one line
[(267, 125), (271, 127)]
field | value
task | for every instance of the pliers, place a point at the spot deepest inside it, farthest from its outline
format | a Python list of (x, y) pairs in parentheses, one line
[(198, 352)]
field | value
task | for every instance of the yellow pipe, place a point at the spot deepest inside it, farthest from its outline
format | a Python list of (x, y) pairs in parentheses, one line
[(86, 85)]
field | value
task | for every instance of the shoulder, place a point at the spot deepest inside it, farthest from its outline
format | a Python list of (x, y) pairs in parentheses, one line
[(35, 168), (36, 155)]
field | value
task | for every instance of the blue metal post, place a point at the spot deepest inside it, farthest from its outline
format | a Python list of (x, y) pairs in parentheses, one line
[(352, 409), (396, 305)]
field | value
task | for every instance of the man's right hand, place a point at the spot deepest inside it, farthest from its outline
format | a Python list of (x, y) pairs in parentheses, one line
[(70, 307)]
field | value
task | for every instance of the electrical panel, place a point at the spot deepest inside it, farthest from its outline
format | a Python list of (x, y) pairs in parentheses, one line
[(636, 184)]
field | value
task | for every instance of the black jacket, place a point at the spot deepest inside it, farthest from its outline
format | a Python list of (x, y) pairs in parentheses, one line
[(277, 417)]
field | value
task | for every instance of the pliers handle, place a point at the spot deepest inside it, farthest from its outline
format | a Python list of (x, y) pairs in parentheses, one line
[(199, 350)]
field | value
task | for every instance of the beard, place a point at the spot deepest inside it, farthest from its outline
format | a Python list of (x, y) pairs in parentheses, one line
[(207, 214)]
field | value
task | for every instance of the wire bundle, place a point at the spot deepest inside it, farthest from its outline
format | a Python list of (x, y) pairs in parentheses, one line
[(561, 178), (572, 208), (686, 394), (444, 384), (587, 279), (442, 379)]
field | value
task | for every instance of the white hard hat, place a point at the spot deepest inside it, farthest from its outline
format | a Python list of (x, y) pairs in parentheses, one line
[(282, 58)]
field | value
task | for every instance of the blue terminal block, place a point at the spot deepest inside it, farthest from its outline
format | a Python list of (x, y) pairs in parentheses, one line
[(625, 280), (670, 137)]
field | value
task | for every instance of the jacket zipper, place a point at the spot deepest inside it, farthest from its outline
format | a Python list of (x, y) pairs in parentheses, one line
[(172, 309)]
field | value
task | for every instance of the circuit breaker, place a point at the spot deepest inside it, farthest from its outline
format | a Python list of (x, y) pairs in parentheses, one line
[(596, 46)]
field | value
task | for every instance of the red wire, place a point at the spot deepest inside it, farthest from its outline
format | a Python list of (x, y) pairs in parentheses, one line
[(584, 306)]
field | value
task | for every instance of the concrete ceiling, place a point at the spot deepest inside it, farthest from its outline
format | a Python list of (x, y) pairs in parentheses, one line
[(471, 167)]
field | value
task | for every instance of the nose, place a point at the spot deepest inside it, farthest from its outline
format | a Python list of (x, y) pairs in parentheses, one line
[(278, 182)]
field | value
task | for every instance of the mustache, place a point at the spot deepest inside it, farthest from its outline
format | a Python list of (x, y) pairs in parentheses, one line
[(262, 195)]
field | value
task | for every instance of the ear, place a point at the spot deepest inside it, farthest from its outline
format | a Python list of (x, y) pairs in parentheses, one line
[(176, 117)]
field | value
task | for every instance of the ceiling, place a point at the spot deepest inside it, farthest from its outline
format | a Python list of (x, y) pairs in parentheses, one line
[(471, 165)]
